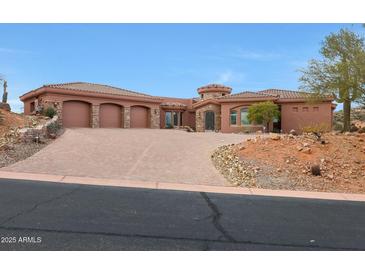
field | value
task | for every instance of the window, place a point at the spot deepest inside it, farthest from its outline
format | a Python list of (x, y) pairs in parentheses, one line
[(181, 116), (233, 117), (316, 109), (295, 109), (32, 106), (244, 119), (305, 109)]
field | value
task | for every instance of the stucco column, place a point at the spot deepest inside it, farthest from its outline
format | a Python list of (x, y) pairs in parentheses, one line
[(127, 117), (155, 118), (95, 116)]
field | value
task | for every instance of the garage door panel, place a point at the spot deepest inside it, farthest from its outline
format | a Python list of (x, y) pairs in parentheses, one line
[(110, 116), (139, 117), (76, 114)]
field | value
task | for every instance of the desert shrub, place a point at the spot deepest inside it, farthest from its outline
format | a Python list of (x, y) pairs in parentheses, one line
[(249, 129), (49, 112), (318, 128), (53, 128)]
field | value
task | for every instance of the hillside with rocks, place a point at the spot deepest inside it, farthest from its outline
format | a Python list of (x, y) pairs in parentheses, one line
[(332, 162), (357, 119), (12, 147)]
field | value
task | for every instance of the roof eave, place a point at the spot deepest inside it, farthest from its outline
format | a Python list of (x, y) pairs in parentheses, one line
[(32, 93), (301, 100), (205, 102), (85, 93), (253, 99)]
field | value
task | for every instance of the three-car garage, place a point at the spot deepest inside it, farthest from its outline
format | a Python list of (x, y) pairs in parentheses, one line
[(81, 104), (79, 114)]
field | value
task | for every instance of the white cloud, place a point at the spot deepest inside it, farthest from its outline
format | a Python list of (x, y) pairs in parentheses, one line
[(230, 76)]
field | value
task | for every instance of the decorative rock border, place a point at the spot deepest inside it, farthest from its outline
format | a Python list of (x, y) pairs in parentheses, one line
[(233, 169), (39, 133)]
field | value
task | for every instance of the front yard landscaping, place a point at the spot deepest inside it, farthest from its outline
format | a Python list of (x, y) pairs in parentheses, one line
[(13, 147), (332, 162)]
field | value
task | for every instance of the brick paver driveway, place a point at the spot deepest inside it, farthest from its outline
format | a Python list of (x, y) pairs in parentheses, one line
[(136, 154)]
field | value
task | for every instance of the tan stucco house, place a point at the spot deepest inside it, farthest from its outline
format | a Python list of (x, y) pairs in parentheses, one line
[(82, 104)]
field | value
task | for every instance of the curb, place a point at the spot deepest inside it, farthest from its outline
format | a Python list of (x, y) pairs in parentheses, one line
[(182, 187)]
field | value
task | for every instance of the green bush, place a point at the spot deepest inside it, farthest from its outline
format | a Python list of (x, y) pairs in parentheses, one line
[(50, 112), (53, 128), (263, 113)]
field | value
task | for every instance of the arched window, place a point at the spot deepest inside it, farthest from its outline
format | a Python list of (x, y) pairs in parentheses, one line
[(244, 119), (233, 117)]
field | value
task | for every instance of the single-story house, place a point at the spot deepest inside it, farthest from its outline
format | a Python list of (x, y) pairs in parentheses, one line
[(82, 104)]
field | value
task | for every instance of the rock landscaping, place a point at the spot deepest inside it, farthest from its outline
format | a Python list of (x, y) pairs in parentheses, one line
[(238, 172), (331, 162), (21, 136), (357, 119)]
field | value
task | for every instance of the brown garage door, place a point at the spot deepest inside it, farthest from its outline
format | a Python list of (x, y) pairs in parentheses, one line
[(139, 117), (76, 114), (110, 115)]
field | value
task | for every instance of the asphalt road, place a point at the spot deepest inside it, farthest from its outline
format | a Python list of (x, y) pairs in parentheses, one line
[(55, 216)]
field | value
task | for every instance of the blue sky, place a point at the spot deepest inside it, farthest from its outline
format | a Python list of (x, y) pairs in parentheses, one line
[(159, 59)]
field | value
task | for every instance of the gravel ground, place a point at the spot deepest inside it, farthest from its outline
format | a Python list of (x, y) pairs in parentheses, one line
[(18, 152), (286, 162)]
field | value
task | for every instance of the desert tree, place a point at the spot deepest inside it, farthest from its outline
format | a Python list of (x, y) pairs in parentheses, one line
[(263, 113), (339, 73)]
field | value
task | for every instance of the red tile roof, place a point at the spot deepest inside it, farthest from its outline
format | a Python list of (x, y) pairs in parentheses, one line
[(289, 94), (248, 94), (83, 86), (214, 87), (173, 104)]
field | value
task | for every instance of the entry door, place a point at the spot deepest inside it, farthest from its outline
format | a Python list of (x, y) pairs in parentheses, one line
[(175, 119), (168, 123), (209, 120)]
